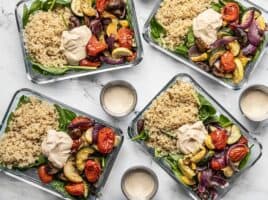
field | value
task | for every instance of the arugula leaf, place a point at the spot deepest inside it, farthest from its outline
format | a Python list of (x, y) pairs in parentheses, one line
[(142, 136), (65, 117), (245, 160), (156, 29), (182, 50)]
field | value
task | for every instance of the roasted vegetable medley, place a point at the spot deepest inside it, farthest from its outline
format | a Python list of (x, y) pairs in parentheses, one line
[(222, 40), (73, 156), (63, 35), (206, 153)]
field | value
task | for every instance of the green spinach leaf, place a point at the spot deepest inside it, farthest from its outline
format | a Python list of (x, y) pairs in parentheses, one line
[(224, 121), (245, 160), (143, 136), (182, 50), (65, 117), (25, 15), (10, 117), (156, 29), (23, 100), (36, 5), (174, 166), (206, 110), (190, 39), (216, 6)]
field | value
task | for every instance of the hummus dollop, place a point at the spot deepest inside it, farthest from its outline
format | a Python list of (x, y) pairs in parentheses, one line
[(73, 44), (191, 137), (206, 24), (57, 147)]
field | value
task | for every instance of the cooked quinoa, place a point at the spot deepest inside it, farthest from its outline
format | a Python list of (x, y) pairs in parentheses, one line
[(20, 146), (176, 17), (43, 36), (175, 107)]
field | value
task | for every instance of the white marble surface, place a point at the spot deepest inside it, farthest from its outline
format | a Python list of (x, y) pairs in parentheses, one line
[(83, 93)]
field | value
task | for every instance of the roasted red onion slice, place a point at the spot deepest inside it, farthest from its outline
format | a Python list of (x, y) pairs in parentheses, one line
[(246, 22), (254, 36), (95, 132), (193, 51), (249, 50), (223, 41)]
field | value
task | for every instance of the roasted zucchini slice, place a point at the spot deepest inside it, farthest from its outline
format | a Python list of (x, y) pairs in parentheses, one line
[(70, 171), (82, 156)]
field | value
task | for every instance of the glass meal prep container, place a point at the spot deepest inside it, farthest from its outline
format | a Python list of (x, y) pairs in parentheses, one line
[(30, 176), (256, 151), (38, 78), (225, 82)]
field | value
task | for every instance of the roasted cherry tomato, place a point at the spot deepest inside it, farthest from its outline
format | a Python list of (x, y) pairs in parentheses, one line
[(243, 140), (94, 47), (227, 62), (92, 171), (88, 63), (237, 153), (219, 138), (76, 144), (216, 164), (106, 139), (101, 4), (125, 37), (75, 189), (230, 12), (43, 175)]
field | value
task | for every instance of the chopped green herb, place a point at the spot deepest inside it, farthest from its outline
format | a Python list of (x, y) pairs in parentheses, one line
[(23, 100)]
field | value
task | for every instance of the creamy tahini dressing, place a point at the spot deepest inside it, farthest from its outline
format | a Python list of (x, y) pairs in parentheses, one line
[(254, 105), (206, 24), (73, 44), (191, 137), (118, 99), (57, 147), (139, 185)]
